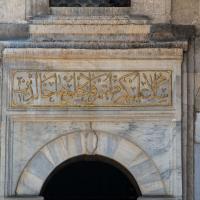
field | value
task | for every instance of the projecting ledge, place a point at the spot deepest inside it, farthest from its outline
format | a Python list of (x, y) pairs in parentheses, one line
[(159, 198), (21, 198)]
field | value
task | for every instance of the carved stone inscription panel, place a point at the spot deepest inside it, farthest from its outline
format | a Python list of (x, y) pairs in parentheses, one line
[(103, 88)]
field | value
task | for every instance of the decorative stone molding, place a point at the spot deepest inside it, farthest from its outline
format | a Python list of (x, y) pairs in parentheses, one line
[(59, 150), (132, 54)]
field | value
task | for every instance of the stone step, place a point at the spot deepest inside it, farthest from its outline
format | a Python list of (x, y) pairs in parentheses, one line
[(71, 20), (89, 29)]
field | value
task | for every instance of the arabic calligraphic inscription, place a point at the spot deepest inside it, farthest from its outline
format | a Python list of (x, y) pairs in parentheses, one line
[(91, 88)]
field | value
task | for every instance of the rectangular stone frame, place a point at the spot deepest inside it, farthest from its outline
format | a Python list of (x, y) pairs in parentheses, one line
[(158, 10), (141, 54)]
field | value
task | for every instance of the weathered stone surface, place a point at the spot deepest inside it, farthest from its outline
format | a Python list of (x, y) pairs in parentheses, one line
[(12, 11), (158, 10), (90, 32), (13, 31), (36, 8), (185, 12), (197, 170), (163, 32)]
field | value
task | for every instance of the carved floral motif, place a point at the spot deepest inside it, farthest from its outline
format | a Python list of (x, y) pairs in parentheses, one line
[(91, 88)]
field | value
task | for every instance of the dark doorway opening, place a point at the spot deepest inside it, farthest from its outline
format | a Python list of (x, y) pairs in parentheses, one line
[(90, 3), (91, 178)]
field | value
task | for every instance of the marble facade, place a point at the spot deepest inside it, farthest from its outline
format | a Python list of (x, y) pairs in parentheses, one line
[(143, 133), (96, 81)]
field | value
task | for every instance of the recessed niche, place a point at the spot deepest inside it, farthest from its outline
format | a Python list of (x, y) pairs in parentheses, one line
[(90, 178), (90, 3)]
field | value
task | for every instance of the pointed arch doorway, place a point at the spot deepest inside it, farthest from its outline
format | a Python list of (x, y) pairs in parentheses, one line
[(90, 177)]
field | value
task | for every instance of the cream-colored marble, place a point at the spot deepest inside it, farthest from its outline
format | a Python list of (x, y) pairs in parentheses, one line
[(72, 60), (146, 140)]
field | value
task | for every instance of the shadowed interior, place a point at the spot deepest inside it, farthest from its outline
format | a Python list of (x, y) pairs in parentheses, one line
[(90, 177), (90, 3)]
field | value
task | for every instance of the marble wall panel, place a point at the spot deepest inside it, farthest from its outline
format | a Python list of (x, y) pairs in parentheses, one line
[(155, 130), (156, 139), (18, 71)]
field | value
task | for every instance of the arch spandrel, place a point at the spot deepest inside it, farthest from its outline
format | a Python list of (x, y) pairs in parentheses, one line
[(128, 154)]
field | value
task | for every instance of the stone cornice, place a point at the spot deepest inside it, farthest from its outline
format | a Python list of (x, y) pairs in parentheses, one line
[(40, 53)]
